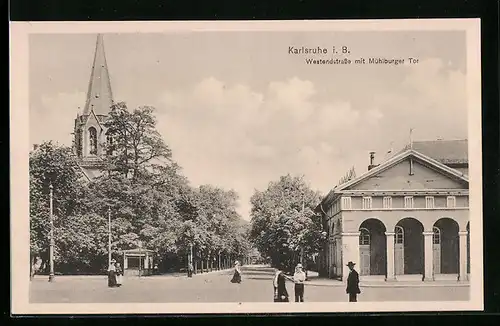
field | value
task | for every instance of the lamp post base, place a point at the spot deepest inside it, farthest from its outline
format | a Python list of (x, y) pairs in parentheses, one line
[(51, 278)]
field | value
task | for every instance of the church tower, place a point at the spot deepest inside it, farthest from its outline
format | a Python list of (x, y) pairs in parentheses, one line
[(89, 130)]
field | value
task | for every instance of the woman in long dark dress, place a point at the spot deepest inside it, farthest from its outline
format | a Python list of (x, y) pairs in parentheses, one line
[(237, 273), (279, 284), (112, 274)]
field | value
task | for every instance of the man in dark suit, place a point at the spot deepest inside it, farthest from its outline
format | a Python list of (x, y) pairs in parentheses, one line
[(352, 283)]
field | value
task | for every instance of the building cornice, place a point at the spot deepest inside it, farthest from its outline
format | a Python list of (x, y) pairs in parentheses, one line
[(406, 192), (405, 209)]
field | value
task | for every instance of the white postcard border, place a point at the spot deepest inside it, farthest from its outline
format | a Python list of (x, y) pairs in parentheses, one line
[(19, 111)]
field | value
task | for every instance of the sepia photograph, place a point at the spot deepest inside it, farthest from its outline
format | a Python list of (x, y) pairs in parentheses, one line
[(218, 167)]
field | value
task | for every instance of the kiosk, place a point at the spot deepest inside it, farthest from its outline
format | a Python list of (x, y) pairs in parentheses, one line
[(138, 262)]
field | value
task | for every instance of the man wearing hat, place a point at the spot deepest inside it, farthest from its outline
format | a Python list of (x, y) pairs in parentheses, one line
[(298, 278), (352, 283)]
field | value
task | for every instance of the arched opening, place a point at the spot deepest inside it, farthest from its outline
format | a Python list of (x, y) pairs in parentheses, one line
[(372, 248), (92, 141), (468, 249), (446, 252), (409, 247), (332, 251), (338, 250)]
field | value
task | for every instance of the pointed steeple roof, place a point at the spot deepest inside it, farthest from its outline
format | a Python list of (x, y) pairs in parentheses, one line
[(99, 95)]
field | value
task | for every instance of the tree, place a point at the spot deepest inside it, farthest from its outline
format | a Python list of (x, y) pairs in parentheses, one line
[(134, 144), (283, 222), (51, 164)]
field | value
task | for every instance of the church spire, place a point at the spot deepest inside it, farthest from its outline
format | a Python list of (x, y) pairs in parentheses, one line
[(99, 95)]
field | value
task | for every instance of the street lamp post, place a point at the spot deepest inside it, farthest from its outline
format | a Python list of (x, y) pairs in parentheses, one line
[(140, 257), (52, 242), (109, 235), (191, 254)]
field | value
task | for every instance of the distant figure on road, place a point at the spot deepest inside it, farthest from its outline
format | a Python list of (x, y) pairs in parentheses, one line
[(352, 283), (190, 269), (237, 273), (279, 280), (298, 278), (112, 274), (119, 274)]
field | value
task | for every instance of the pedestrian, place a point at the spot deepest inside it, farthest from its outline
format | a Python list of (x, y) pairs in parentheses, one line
[(237, 273), (112, 274), (190, 269), (352, 283), (298, 278), (279, 284), (119, 274)]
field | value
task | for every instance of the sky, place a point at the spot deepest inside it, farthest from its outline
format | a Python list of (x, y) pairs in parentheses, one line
[(239, 111)]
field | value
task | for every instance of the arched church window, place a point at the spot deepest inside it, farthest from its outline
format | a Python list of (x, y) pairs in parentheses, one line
[(364, 237), (436, 237), (399, 237), (109, 143), (93, 140)]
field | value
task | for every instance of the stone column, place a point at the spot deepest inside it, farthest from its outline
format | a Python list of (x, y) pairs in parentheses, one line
[(390, 256), (338, 260), (125, 261), (146, 261), (428, 256), (329, 260), (350, 244), (462, 276)]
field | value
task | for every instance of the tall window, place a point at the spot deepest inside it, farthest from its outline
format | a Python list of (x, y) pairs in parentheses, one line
[(109, 143), (408, 201), (436, 237), (367, 202), (429, 202), (450, 202), (346, 202), (93, 140), (387, 201), (364, 237), (399, 237)]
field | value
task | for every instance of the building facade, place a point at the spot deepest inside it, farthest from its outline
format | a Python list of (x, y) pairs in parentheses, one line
[(404, 219), (90, 134)]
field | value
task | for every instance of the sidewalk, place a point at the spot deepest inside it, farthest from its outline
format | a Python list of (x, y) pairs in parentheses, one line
[(316, 281)]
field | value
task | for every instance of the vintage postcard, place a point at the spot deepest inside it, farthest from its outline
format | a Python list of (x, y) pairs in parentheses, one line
[(229, 167)]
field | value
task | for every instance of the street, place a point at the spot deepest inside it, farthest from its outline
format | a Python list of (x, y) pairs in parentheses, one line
[(256, 286)]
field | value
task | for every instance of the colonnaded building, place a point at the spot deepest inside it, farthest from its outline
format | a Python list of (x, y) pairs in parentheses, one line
[(404, 219)]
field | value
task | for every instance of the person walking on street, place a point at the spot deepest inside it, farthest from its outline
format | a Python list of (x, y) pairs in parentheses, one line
[(237, 273), (298, 278), (279, 285), (190, 269), (112, 274), (352, 283), (119, 274)]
